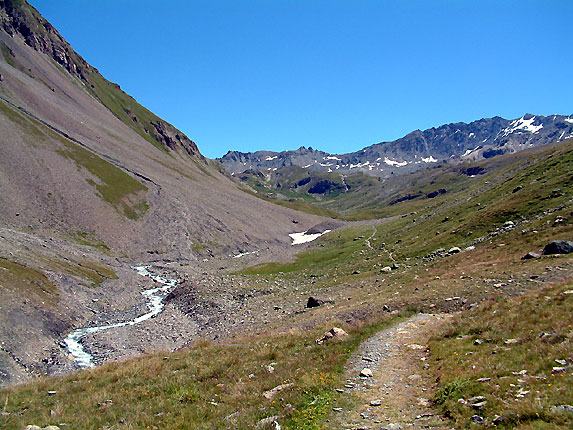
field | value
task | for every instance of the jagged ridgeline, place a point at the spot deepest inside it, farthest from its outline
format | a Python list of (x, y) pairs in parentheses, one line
[(19, 18), (454, 143)]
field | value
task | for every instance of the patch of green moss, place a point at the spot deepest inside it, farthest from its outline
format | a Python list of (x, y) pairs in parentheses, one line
[(92, 272), (85, 238), (27, 281), (114, 185)]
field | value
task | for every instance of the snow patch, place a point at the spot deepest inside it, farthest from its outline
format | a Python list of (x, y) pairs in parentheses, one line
[(271, 158), (331, 157), (395, 163), (299, 238), (430, 159), (469, 151), (569, 120), (522, 124), (242, 254), (366, 163)]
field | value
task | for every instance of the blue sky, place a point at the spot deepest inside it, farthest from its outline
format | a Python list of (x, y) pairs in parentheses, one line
[(335, 75)]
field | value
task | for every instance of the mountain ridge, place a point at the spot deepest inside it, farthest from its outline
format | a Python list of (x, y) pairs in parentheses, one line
[(456, 142), (20, 18)]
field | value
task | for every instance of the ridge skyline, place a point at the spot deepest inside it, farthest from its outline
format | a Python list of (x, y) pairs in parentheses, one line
[(347, 78)]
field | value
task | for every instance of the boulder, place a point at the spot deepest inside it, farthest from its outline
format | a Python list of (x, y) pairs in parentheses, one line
[(366, 373), (332, 333), (454, 250), (558, 247), (273, 392), (314, 302), (530, 256), (266, 422)]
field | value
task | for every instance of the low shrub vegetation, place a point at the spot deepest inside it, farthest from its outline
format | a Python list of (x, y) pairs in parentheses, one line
[(206, 387), (509, 362)]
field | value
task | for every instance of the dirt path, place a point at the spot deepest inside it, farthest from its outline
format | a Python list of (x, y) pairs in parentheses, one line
[(395, 397), (371, 236)]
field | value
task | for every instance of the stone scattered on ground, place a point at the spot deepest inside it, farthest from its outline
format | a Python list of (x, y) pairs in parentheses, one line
[(33, 427), (314, 302), (375, 403), (558, 247), (531, 256), (392, 426), (560, 409), (265, 422), (479, 405), (274, 391), (332, 333), (366, 373)]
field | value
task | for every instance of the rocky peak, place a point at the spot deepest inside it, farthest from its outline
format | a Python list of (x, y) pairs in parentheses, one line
[(455, 142), (19, 19)]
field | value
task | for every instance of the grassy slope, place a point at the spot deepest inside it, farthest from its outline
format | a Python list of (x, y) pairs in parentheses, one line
[(183, 387), (113, 185), (209, 386), (522, 338), (369, 198)]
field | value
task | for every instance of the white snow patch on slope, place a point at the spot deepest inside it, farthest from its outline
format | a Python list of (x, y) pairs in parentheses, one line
[(522, 124), (331, 157), (394, 162), (569, 120), (366, 163), (430, 159), (469, 151), (271, 158), (299, 238)]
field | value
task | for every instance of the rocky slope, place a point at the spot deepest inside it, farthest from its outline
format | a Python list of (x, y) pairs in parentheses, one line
[(92, 183), (457, 142)]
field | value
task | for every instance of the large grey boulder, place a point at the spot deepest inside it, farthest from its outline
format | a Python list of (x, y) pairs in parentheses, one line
[(558, 247)]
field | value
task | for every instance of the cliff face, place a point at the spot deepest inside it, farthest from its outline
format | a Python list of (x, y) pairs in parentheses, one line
[(19, 19)]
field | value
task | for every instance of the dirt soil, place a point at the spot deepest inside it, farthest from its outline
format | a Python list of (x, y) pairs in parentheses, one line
[(397, 395)]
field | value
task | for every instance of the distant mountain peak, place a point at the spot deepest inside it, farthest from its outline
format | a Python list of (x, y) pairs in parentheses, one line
[(454, 142)]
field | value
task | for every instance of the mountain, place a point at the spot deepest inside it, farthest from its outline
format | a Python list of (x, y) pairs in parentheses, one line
[(91, 184), (119, 240), (455, 142)]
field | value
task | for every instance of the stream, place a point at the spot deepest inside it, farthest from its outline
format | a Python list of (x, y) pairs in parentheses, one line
[(155, 303)]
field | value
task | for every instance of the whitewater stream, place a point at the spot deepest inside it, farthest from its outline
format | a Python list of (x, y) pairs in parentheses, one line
[(155, 303)]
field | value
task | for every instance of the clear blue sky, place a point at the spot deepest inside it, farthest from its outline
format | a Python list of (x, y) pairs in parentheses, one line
[(335, 75)]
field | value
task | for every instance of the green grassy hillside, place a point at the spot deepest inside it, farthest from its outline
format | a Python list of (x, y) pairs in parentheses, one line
[(369, 270)]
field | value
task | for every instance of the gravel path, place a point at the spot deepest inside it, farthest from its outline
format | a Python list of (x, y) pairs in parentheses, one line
[(395, 396)]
